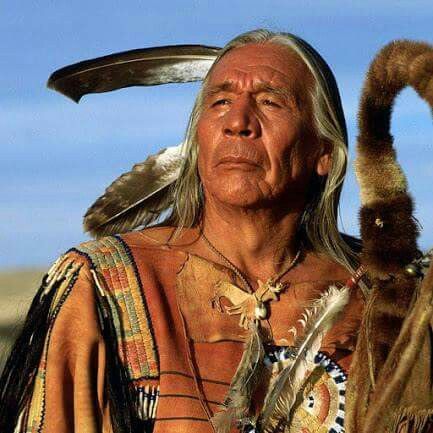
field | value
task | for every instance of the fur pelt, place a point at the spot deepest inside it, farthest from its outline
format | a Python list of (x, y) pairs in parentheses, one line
[(398, 311), (388, 229), (402, 370)]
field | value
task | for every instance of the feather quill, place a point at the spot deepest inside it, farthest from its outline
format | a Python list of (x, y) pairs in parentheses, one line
[(141, 67), (137, 197), (284, 389), (238, 400)]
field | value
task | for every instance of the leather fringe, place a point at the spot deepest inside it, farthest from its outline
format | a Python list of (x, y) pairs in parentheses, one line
[(19, 374), (410, 420)]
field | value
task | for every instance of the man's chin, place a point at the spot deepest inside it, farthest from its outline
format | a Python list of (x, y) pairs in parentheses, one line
[(238, 196), (237, 189)]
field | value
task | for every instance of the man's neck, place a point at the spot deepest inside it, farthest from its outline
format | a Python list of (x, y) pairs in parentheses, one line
[(259, 242)]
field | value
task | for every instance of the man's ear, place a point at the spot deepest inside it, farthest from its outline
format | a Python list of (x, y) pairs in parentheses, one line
[(324, 163)]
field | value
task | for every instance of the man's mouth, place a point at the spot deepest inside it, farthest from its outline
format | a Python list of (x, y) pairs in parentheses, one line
[(237, 160)]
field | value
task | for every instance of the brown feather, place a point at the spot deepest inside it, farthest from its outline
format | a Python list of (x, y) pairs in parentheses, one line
[(137, 197), (141, 67), (248, 374)]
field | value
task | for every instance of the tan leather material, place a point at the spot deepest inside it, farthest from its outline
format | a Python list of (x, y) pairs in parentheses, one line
[(168, 272), (196, 290), (75, 397)]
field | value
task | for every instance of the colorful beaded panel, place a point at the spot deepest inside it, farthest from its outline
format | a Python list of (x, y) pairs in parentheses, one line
[(112, 260), (321, 408)]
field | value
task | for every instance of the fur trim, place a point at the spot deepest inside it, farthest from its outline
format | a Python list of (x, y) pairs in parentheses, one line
[(388, 230), (394, 375), (389, 233), (390, 339)]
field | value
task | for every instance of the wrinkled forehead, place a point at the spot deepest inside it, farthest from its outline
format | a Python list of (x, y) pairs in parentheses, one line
[(268, 63)]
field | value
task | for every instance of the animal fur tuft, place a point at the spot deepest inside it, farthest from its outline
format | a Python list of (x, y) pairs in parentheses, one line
[(389, 232)]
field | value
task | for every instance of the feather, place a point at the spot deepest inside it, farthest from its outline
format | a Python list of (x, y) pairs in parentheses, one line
[(284, 389), (137, 197), (141, 67), (244, 382)]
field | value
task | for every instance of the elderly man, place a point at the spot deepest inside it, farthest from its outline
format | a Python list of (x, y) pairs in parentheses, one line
[(195, 325)]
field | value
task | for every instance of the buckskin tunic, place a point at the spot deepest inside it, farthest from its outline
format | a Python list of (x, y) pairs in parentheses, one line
[(175, 345)]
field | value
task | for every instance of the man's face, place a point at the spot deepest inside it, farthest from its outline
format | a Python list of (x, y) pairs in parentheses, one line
[(256, 142)]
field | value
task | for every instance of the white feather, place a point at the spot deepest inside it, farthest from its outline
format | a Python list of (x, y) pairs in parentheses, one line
[(284, 389)]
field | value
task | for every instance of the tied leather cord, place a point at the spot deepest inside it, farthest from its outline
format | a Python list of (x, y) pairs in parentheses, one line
[(237, 271), (252, 306), (192, 367)]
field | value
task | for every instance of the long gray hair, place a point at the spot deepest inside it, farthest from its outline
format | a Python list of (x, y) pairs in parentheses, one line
[(319, 220)]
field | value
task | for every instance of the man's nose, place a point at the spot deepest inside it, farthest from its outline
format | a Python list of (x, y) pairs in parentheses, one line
[(241, 120)]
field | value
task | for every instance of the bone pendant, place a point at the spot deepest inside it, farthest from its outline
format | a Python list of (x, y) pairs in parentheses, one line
[(250, 306)]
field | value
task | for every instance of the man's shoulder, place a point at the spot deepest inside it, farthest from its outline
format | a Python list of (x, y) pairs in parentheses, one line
[(320, 266), (152, 252), (102, 274), (157, 237), (121, 248), (157, 247), (164, 239), (152, 238)]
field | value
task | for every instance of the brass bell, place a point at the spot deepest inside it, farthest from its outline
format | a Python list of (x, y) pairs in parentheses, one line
[(411, 270), (379, 222)]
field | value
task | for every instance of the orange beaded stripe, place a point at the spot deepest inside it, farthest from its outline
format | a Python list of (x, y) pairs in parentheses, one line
[(117, 277), (112, 260)]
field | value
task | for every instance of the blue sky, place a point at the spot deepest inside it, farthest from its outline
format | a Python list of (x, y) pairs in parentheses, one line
[(57, 157)]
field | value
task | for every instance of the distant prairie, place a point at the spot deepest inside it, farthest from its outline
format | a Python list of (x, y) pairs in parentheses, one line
[(17, 288)]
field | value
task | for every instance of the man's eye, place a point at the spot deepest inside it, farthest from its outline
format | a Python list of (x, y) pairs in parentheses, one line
[(221, 102), (270, 102)]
